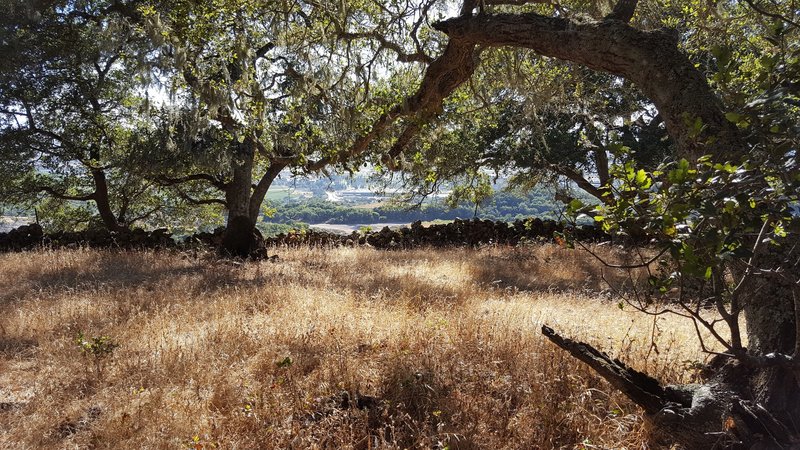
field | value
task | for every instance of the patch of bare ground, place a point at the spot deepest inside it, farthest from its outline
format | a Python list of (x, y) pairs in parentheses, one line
[(326, 348)]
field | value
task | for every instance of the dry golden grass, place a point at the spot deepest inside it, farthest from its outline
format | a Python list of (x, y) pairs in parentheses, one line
[(445, 343)]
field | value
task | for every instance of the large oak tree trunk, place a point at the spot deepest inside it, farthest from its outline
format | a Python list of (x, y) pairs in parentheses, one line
[(749, 402), (240, 238), (244, 200), (771, 314)]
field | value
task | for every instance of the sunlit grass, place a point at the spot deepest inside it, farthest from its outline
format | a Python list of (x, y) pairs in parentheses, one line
[(445, 344)]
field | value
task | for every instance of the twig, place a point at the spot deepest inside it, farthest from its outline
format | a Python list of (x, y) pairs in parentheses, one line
[(623, 266)]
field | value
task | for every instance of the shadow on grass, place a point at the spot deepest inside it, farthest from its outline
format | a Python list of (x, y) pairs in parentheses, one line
[(411, 410), (121, 271), (12, 347), (395, 275), (398, 279), (560, 272)]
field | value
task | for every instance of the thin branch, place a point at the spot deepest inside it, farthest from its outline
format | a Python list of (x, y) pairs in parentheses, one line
[(623, 10), (703, 342), (202, 201), (764, 12), (730, 317), (750, 265), (402, 55), (145, 215), (622, 266), (63, 196), (211, 179), (708, 326)]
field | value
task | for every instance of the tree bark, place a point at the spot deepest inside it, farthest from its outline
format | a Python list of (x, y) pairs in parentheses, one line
[(601, 164), (240, 238), (101, 199), (771, 317), (261, 189)]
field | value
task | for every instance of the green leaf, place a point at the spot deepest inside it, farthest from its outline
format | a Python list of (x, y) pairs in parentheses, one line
[(641, 177), (574, 206), (723, 54), (285, 362), (779, 230), (733, 117)]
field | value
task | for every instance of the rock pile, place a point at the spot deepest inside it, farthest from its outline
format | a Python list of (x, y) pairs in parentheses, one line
[(20, 238), (316, 238), (458, 233), (29, 236), (206, 239), (295, 238), (100, 238), (477, 232)]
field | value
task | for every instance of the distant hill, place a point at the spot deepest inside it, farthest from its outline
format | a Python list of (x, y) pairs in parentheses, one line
[(8, 223), (363, 208)]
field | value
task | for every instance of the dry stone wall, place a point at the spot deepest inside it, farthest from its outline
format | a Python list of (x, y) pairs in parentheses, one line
[(458, 233)]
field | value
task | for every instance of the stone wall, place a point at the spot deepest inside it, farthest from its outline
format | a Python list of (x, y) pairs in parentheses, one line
[(458, 233)]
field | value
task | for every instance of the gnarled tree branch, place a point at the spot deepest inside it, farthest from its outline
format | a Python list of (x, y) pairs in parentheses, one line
[(643, 389), (212, 180), (446, 73), (651, 59)]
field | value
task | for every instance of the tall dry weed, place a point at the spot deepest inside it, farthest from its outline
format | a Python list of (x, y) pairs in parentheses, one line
[(326, 348)]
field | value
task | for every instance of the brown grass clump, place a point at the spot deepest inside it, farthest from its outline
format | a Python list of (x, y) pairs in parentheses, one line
[(327, 348)]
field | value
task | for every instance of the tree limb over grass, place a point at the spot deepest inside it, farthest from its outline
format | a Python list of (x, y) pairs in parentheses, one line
[(643, 389)]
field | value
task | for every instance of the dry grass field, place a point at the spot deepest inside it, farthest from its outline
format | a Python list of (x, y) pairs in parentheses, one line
[(336, 348)]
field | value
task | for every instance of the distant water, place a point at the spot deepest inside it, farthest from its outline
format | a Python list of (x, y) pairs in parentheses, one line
[(8, 223), (347, 229)]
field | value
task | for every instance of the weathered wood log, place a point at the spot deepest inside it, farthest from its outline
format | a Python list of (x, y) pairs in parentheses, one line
[(716, 414), (643, 389)]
